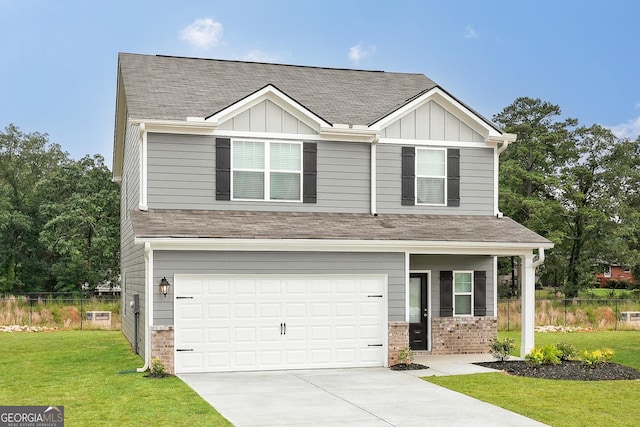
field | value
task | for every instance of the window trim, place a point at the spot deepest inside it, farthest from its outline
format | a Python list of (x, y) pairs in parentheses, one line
[(444, 177), (607, 271), (455, 294), (266, 170)]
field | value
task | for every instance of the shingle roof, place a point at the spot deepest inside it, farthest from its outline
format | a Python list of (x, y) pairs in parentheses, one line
[(173, 88), (160, 223)]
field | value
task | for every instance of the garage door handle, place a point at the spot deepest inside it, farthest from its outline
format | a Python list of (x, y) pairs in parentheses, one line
[(184, 297), (184, 349), (375, 345), (374, 296), (285, 329)]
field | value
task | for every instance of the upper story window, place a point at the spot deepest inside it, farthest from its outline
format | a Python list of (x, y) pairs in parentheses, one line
[(431, 176), (462, 293), (264, 170)]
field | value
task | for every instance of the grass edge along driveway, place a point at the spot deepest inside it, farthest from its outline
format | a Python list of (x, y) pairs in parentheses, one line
[(79, 370), (563, 403)]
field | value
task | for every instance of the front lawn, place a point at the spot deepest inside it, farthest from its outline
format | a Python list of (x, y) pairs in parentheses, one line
[(79, 370), (558, 402)]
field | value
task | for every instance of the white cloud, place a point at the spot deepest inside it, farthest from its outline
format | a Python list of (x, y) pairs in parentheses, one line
[(203, 33), (357, 52), (471, 33), (260, 56), (629, 129)]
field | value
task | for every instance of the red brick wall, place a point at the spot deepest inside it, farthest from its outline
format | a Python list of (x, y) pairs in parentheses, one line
[(462, 335), (162, 346), (398, 339)]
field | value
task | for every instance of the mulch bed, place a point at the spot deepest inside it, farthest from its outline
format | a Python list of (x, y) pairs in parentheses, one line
[(405, 367), (569, 370)]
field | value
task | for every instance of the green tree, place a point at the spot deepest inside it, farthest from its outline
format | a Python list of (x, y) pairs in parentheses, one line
[(83, 224), (528, 169), (25, 159)]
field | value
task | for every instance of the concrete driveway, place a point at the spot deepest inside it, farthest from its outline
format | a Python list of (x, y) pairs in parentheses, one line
[(343, 397)]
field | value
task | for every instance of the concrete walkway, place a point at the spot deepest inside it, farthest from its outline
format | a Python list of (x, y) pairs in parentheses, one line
[(346, 397)]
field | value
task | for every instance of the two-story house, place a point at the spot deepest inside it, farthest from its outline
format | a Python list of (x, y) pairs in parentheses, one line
[(281, 217)]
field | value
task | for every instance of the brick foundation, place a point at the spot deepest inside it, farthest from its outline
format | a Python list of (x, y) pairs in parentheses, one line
[(462, 335), (398, 339), (162, 345)]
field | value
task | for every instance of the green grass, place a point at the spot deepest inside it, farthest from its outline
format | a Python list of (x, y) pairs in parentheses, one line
[(563, 403), (79, 370)]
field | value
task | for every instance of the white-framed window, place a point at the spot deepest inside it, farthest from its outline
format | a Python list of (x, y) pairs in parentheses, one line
[(463, 293), (607, 271), (431, 176), (266, 170)]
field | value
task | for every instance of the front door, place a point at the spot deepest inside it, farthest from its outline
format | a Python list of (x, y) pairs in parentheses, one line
[(418, 311)]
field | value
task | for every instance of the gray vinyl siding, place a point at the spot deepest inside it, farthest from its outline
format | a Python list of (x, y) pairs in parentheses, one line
[(438, 263), (476, 183), (169, 263), (131, 256), (431, 122), (181, 175)]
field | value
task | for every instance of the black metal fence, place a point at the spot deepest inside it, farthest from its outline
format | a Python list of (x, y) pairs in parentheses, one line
[(41, 311), (603, 314)]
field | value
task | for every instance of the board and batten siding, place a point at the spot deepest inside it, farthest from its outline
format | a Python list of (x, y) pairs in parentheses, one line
[(476, 183), (432, 122), (266, 116), (181, 175), (169, 263), (438, 263), (131, 255)]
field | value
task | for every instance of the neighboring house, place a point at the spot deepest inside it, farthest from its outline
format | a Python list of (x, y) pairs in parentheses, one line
[(614, 272), (306, 217)]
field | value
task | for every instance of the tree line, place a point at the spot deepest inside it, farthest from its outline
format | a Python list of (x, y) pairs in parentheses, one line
[(577, 185), (59, 218)]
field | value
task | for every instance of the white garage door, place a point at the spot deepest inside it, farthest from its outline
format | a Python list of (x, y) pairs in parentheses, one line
[(242, 323)]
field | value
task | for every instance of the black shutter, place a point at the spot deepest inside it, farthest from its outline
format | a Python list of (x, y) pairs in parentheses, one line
[(310, 171), (453, 177), (408, 176), (446, 293), (223, 169), (480, 293)]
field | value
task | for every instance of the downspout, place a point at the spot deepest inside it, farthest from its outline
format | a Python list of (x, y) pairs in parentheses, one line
[(539, 259), (148, 306), (496, 161), (374, 178), (143, 168)]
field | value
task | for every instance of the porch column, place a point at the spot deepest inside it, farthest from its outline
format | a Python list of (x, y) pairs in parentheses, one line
[(528, 303)]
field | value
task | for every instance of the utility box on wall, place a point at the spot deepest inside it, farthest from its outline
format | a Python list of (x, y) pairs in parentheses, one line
[(100, 319)]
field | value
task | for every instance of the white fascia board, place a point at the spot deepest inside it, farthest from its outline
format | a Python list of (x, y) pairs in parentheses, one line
[(449, 103), (176, 126), (414, 247), (276, 96)]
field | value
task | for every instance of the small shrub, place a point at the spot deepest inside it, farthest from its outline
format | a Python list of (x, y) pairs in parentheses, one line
[(567, 351), (596, 357), (501, 349), (157, 367), (405, 355), (547, 355)]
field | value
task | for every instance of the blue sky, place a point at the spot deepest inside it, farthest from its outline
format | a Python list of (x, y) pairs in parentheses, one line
[(58, 59)]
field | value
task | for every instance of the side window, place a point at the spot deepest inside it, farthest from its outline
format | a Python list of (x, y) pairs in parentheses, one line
[(462, 293), (431, 176), (266, 170)]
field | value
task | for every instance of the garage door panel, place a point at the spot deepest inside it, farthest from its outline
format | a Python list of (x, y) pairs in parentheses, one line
[(331, 321)]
